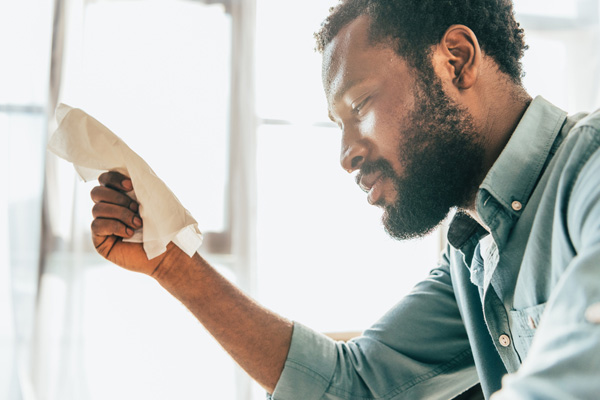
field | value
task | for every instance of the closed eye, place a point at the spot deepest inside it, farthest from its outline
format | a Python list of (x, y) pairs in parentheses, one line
[(356, 109)]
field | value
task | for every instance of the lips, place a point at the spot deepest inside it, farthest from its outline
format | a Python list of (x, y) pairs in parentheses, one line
[(369, 184), (366, 182)]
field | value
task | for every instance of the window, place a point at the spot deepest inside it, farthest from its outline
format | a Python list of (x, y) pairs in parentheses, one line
[(323, 257), (562, 61), (157, 73), (23, 93)]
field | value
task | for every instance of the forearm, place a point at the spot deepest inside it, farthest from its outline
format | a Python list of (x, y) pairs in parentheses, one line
[(255, 337)]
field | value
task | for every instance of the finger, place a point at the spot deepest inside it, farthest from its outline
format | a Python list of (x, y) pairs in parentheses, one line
[(116, 180), (102, 227), (107, 195), (116, 212)]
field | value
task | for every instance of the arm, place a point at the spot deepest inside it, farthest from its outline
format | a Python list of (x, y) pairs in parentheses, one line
[(417, 350), (256, 338), (563, 361)]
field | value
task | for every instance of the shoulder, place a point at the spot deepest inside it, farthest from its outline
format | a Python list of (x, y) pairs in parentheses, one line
[(578, 149), (582, 145), (582, 176), (582, 128), (591, 121)]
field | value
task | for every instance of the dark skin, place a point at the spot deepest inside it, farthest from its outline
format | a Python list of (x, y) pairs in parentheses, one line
[(255, 337), (378, 74)]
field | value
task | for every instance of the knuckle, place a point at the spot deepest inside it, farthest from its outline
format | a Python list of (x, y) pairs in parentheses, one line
[(118, 227), (104, 178), (122, 199), (115, 177), (97, 209), (109, 178), (96, 193), (126, 215)]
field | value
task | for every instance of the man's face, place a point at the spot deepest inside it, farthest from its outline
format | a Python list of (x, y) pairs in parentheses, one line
[(416, 151)]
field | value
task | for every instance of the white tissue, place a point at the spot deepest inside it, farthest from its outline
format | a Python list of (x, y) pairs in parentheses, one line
[(93, 149)]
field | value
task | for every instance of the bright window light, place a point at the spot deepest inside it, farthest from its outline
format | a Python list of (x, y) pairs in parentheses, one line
[(548, 8), (157, 74), (288, 73), (324, 259)]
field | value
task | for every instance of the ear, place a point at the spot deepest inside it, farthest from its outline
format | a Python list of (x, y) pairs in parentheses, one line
[(460, 55)]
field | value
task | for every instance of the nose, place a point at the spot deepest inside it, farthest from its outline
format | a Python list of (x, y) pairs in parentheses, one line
[(354, 152)]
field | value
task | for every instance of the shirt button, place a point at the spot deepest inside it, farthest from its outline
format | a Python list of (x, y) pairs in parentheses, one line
[(517, 206), (531, 322), (504, 340), (592, 314)]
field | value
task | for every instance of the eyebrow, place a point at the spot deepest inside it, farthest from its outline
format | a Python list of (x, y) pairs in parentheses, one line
[(347, 86)]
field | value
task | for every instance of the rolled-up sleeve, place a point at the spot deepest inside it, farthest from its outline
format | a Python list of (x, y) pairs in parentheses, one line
[(419, 349)]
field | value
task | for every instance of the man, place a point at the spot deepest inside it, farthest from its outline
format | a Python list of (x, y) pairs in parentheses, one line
[(429, 99)]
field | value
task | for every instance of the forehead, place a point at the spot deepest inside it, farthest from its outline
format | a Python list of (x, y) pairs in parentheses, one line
[(351, 57), (343, 51)]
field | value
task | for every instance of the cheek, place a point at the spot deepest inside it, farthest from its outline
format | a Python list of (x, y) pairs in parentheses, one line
[(385, 134), (368, 124), (380, 127)]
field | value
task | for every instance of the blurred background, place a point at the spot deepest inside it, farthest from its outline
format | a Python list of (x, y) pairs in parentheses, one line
[(223, 99)]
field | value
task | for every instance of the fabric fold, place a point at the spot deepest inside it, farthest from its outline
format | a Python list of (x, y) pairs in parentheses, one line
[(93, 149)]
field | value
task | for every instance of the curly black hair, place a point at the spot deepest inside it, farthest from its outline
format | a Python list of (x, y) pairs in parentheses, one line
[(417, 25)]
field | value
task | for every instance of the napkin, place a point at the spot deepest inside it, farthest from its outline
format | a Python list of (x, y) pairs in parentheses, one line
[(93, 149)]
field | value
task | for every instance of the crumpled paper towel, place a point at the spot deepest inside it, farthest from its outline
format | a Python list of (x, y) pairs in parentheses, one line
[(93, 149)]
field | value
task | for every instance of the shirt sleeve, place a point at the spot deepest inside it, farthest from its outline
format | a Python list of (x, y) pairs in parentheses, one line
[(419, 349), (564, 358)]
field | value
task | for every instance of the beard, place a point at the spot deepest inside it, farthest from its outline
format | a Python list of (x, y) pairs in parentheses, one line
[(442, 156)]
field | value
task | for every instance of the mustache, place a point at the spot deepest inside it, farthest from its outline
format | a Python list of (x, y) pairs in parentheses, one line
[(380, 165)]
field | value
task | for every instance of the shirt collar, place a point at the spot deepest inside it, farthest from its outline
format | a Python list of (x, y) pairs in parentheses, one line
[(515, 173), (517, 170)]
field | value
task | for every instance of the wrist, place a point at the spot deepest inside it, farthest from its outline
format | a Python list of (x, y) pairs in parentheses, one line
[(173, 263)]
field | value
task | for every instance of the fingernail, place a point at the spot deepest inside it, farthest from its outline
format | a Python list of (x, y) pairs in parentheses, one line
[(137, 221), (133, 206), (129, 231), (127, 184)]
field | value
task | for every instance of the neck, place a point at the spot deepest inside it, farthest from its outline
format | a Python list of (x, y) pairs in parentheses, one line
[(501, 115)]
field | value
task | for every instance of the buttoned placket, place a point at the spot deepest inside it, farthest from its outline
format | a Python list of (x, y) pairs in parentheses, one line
[(495, 313), (497, 321)]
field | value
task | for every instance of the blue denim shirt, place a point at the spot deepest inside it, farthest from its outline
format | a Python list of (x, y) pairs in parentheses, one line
[(516, 310)]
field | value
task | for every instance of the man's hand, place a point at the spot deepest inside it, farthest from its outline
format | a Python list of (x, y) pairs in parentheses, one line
[(116, 217), (256, 338)]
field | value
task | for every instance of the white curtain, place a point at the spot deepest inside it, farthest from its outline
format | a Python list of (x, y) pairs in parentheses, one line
[(63, 366), (24, 89), (54, 368)]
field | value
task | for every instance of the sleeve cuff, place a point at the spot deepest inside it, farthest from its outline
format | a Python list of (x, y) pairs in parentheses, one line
[(309, 366)]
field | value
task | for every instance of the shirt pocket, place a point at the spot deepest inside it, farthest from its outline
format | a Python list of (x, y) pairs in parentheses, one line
[(524, 325)]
